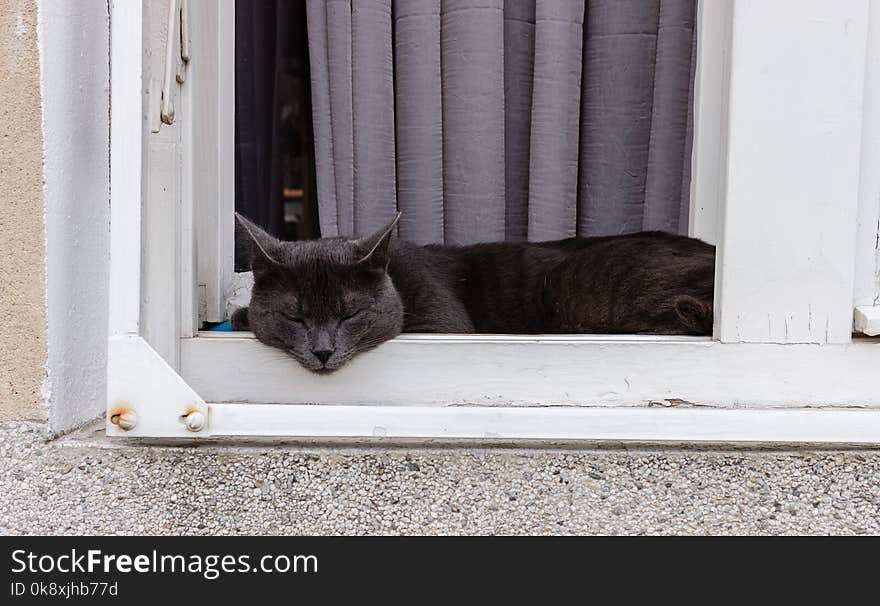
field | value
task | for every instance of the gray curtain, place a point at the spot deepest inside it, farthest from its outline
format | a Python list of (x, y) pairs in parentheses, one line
[(488, 120)]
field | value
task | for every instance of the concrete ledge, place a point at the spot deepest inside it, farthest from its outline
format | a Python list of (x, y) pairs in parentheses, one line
[(82, 485)]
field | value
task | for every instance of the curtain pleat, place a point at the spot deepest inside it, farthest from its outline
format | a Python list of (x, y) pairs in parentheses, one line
[(375, 190), (419, 116), (472, 72), (485, 120), (616, 114), (685, 202), (556, 97), (339, 45), (324, 165), (669, 116), (519, 51)]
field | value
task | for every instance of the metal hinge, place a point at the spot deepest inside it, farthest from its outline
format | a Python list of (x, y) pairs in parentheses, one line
[(178, 20)]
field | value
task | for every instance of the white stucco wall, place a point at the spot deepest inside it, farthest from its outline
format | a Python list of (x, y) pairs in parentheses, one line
[(75, 84)]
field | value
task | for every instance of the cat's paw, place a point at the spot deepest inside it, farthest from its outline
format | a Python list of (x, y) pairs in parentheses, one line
[(239, 319)]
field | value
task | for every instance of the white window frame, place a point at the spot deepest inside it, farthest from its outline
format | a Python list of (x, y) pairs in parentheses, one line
[(786, 179)]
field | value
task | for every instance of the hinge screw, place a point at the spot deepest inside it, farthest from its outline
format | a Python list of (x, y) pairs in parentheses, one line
[(125, 420), (195, 421)]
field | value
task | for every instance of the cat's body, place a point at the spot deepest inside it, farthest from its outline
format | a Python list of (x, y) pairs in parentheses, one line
[(617, 284), (326, 300)]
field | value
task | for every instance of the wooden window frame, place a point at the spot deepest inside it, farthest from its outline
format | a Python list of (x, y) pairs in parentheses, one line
[(786, 180)]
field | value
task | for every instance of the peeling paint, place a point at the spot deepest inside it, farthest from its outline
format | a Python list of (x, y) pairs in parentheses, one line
[(877, 238), (678, 403)]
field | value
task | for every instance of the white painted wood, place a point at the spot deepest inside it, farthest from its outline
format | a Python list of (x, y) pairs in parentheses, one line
[(867, 269), (188, 294), (552, 371), (867, 320), (212, 93), (614, 424), (142, 382), (476, 339), (145, 272), (794, 128), (226, 147), (127, 121), (162, 262), (710, 118)]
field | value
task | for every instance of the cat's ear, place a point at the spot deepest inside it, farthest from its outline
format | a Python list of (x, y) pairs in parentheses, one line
[(262, 245), (695, 315), (375, 246)]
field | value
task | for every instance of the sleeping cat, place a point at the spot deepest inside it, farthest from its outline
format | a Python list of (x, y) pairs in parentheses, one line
[(324, 301)]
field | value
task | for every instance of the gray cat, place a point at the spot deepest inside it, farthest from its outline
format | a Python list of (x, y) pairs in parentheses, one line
[(324, 301)]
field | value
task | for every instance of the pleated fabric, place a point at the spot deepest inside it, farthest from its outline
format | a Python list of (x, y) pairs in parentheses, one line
[(485, 120)]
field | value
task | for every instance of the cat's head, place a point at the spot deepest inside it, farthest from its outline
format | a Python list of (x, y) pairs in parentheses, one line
[(322, 301)]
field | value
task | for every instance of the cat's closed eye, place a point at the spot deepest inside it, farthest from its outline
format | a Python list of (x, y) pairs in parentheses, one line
[(354, 314), (293, 318)]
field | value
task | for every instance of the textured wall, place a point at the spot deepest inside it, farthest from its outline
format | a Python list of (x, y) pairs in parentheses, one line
[(75, 76), (22, 306)]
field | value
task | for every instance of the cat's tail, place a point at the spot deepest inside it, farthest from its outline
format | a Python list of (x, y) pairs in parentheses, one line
[(695, 315)]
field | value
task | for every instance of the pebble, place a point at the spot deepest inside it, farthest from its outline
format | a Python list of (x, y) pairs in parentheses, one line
[(86, 485)]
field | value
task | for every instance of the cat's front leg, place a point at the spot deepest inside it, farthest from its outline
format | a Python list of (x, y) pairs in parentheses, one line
[(441, 324)]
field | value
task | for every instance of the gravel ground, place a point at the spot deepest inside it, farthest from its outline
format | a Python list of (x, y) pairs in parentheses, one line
[(83, 485)]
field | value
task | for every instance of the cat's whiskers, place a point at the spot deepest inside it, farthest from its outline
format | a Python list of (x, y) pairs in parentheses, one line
[(372, 343), (281, 355)]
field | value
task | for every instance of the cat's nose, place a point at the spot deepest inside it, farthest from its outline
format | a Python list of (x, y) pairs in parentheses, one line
[(323, 354)]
